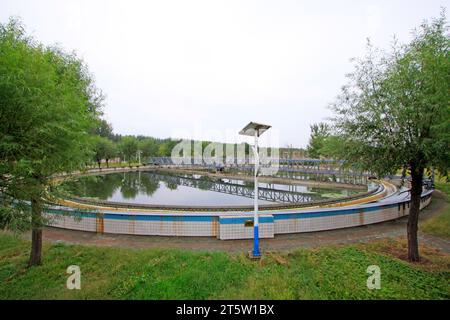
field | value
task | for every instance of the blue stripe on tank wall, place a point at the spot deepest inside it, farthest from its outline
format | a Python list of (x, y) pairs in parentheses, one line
[(225, 220), (304, 215), (72, 213), (231, 220)]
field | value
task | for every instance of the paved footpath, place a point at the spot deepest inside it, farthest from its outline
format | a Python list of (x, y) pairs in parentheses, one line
[(389, 229)]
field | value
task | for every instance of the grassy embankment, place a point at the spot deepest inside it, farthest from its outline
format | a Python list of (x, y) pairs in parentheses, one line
[(117, 273), (335, 272), (439, 225)]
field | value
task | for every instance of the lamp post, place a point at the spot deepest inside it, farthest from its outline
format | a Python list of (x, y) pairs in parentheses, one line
[(256, 130), (139, 156)]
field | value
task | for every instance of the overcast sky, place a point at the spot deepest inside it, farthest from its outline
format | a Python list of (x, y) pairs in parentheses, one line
[(203, 69)]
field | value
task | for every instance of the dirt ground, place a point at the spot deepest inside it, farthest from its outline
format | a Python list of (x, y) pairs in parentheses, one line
[(389, 229)]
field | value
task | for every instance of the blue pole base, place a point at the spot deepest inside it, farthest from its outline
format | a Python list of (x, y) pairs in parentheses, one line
[(256, 253)]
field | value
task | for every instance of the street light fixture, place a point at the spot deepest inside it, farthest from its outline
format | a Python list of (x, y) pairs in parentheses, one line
[(256, 130)]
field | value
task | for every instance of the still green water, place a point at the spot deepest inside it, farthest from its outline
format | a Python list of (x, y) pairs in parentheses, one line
[(196, 190)]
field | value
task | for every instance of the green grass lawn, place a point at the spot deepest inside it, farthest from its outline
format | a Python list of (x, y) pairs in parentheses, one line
[(336, 272), (440, 224)]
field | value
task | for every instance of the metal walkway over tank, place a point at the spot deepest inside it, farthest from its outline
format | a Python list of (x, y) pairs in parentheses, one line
[(314, 169), (230, 187)]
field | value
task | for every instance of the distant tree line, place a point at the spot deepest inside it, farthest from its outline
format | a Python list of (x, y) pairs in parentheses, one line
[(110, 146)]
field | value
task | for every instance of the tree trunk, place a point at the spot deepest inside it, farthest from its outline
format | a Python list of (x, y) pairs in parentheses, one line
[(36, 235), (413, 219), (107, 163)]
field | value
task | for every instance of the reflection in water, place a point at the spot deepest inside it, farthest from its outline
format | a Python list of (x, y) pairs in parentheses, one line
[(168, 189)]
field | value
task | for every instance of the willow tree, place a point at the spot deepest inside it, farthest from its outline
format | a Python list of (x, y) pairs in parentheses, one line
[(48, 106), (128, 147), (395, 112), (319, 133), (104, 149)]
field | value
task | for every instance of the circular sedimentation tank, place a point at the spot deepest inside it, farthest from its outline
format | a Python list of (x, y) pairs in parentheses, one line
[(177, 202)]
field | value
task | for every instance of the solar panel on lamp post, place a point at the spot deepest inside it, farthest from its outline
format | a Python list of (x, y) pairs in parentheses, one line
[(256, 130)]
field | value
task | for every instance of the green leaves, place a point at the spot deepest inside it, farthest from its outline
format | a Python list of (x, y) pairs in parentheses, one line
[(128, 146), (395, 109), (319, 133), (48, 104), (104, 149)]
